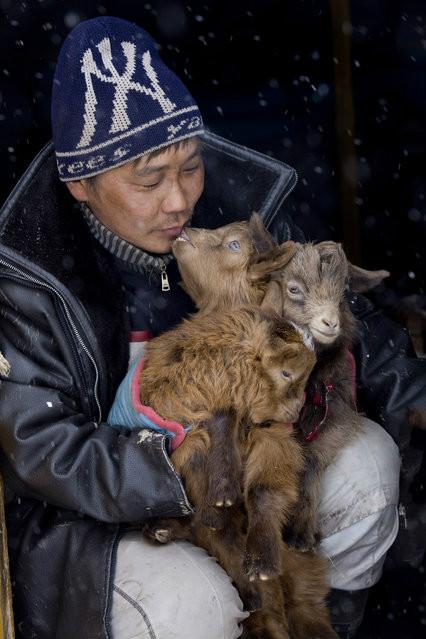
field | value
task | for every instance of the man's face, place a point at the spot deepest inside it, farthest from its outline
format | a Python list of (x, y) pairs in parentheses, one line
[(148, 201)]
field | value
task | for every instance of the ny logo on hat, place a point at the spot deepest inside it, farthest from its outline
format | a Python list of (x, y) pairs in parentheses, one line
[(123, 84)]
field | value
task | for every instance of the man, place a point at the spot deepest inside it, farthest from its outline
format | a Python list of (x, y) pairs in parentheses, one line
[(86, 269)]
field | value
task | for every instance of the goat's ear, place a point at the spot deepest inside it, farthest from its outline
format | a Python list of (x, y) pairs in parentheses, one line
[(362, 280), (272, 261), (273, 300), (262, 239), (329, 249)]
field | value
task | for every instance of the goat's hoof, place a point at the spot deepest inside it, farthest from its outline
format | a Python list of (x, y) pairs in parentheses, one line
[(163, 535), (225, 493), (303, 538), (227, 503), (304, 541), (264, 577), (155, 532), (261, 568)]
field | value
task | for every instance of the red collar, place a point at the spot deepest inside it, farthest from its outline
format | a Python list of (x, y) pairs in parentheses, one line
[(316, 409)]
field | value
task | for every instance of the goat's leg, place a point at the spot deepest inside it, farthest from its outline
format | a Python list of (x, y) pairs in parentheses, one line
[(257, 626), (227, 546), (209, 461), (223, 465), (215, 473), (273, 465), (270, 622), (301, 531), (305, 589), (198, 460)]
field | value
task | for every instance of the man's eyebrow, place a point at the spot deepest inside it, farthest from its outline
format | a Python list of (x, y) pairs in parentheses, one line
[(195, 152), (149, 170)]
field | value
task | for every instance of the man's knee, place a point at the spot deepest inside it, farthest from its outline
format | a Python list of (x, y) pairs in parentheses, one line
[(359, 508), (173, 590)]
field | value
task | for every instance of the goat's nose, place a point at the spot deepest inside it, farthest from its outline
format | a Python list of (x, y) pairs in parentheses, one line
[(331, 322)]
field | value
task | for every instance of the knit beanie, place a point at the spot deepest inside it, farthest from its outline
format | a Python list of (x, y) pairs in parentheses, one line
[(114, 99)]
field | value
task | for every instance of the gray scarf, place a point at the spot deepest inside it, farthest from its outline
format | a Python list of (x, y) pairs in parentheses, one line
[(134, 258)]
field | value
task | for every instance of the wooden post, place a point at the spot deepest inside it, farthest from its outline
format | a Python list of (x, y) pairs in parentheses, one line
[(7, 630), (345, 127)]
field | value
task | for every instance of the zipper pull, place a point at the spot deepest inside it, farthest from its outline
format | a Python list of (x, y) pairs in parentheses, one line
[(165, 286), (403, 513)]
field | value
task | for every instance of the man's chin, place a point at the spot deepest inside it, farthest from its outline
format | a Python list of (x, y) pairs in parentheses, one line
[(161, 248), (164, 248)]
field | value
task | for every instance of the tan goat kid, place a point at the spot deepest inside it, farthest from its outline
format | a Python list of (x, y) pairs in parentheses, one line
[(243, 439)]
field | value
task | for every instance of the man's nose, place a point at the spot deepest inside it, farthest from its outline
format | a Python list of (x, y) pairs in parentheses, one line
[(176, 199)]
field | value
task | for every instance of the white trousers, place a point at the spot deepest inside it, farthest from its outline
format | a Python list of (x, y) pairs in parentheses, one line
[(178, 592)]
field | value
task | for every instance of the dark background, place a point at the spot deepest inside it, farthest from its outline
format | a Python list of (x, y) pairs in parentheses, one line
[(263, 73)]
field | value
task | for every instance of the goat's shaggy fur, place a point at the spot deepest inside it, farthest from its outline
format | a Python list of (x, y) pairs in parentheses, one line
[(224, 371)]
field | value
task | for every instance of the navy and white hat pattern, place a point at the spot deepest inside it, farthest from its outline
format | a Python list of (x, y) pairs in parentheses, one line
[(114, 99)]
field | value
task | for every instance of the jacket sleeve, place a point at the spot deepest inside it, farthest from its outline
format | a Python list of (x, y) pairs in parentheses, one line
[(51, 450), (391, 379)]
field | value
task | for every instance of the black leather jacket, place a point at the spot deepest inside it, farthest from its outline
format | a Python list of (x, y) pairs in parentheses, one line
[(73, 483)]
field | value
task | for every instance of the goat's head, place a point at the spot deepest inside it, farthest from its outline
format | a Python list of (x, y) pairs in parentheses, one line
[(311, 290), (229, 265), (284, 362)]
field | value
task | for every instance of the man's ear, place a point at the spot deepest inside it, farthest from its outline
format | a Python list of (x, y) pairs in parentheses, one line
[(362, 280), (273, 300), (262, 239), (266, 264), (78, 189)]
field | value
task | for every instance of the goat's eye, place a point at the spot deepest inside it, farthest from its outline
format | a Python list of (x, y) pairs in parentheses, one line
[(294, 290), (234, 245), (286, 374)]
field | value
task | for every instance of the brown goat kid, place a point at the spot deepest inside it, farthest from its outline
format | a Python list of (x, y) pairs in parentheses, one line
[(233, 371), (234, 256)]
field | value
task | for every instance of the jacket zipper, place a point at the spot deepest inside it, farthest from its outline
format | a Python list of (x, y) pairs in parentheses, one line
[(71, 322), (165, 285)]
